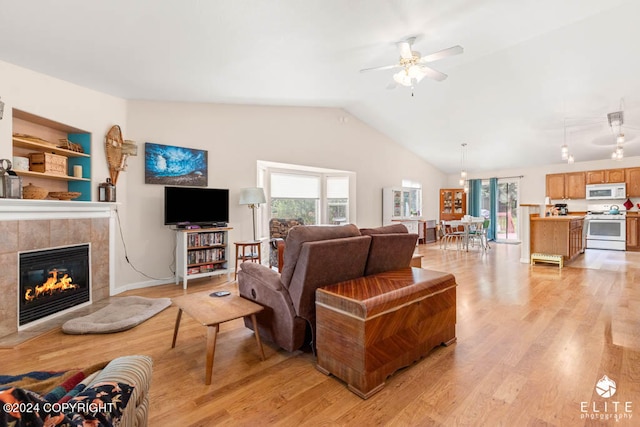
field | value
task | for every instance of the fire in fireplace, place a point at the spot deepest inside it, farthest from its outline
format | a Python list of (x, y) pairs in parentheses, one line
[(51, 286), (52, 280)]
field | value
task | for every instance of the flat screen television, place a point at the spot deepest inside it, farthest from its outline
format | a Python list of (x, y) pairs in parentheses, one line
[(197, 206)]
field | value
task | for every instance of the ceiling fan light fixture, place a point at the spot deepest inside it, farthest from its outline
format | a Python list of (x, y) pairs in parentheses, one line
[(402, 78), (620, 138), (415, 72), (411, 64)]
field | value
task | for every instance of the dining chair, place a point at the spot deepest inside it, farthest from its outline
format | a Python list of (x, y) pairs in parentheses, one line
[(450, 234), (479, 234)]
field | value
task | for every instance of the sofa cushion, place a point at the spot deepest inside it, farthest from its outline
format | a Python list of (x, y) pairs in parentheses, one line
[(310, 233), (390, 252), (391, 248), (103, 402), (323, 263), (385, 229)]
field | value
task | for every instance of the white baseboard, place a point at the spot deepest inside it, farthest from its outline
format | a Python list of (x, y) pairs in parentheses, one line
[(140, 285)]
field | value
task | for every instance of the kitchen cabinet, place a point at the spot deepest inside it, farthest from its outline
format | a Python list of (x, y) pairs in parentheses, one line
[(605, 176), (557, 235), (575, 185), (572, 185), (555, 186), (633, 240), (566, 185), (632, 178), (453, 204)]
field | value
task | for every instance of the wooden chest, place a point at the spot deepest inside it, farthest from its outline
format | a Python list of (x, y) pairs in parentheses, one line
[(370, 327), (48, 163)]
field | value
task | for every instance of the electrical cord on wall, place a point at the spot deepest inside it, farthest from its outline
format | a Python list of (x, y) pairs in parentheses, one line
[(126, 255)]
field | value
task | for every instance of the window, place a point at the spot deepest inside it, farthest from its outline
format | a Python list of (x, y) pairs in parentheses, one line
[(295, 195), (315, 195), (337, 211)]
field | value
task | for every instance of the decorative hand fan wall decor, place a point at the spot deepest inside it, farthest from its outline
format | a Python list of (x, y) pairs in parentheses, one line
[(117, 152)]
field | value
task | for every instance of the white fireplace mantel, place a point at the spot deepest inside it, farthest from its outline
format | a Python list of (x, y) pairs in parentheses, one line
[(29, 209), (20, 209)]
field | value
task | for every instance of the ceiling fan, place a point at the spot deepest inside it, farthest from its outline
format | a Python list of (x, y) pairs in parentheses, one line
[(412, 65)]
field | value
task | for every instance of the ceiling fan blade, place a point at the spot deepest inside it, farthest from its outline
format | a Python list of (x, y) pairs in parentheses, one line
[(384, 67), (455, 50), (405, 50), (431, 73)]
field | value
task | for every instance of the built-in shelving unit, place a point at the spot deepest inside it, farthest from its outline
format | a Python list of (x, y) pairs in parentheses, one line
[(50, 132)]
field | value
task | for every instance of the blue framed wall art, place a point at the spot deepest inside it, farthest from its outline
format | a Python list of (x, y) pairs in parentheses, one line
[(171, 165)]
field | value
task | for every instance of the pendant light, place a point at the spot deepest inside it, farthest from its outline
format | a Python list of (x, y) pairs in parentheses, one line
[(616, 120), (463, 171), (564, 149)]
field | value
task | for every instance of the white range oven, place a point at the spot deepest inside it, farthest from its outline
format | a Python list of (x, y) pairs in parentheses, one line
[(605, 230)]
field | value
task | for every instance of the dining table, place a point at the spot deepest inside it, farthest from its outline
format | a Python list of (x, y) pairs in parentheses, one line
[(467, 224)]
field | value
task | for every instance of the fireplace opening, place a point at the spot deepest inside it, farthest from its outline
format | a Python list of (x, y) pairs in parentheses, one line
[(52, 280)]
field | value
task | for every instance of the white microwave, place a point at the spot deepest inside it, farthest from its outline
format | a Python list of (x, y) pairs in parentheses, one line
[(606, 191)]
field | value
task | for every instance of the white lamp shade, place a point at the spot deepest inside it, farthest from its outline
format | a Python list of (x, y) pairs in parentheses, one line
[(252, 196)]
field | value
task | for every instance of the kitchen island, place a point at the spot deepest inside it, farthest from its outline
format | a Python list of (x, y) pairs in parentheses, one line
[(558, 235)]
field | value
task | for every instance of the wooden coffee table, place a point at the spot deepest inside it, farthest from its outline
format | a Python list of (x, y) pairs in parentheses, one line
[(211, 311)]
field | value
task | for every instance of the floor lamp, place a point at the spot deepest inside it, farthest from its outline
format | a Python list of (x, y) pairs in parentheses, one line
[(252, 197)]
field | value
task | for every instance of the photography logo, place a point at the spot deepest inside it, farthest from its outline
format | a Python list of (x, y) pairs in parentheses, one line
[(606, 387), (606, 409)]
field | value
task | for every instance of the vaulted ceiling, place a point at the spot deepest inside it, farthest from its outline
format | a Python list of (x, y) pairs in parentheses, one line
[(534, 73)]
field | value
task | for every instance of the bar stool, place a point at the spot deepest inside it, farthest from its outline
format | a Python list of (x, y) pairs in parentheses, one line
[(254, 255)]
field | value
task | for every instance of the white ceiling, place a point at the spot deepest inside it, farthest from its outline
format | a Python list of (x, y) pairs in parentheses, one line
[(529, 66)]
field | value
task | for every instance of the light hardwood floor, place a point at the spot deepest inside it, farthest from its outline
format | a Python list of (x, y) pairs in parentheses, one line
[(532, 344)]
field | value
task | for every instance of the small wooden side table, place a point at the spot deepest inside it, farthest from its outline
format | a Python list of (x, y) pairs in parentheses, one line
[(210, 312), (254, 255)]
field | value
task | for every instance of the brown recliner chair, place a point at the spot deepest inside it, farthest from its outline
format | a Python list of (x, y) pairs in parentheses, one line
[(317, 256)]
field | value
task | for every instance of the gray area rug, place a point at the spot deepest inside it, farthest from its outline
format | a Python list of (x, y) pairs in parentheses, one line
[(121, 314)]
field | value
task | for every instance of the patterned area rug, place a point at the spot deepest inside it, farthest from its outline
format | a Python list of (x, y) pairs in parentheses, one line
[(121, 314)]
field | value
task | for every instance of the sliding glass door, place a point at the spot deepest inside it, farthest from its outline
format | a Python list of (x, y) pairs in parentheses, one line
[(507, 210), (501, 205)]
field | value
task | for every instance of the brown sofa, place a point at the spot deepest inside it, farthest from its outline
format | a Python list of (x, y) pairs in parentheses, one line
[(317, 256)]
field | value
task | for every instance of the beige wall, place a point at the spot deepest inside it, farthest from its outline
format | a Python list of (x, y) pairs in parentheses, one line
[(236, 136)]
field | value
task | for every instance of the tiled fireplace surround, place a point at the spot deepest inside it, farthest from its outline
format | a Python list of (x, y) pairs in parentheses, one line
[(29, 225)]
